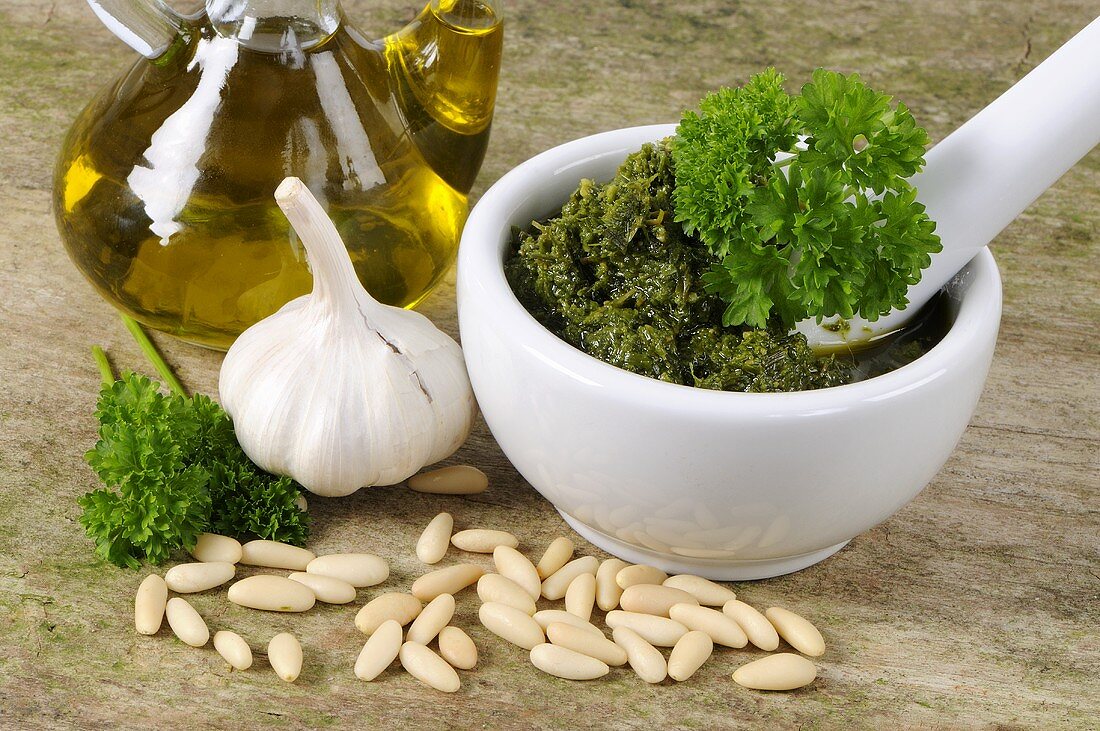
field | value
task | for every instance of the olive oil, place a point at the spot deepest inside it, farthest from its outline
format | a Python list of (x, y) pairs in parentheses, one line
[(891, 351), (450, 103), (164, 187)]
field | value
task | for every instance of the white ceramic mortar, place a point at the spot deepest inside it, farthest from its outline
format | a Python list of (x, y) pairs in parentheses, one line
[(724, 485)]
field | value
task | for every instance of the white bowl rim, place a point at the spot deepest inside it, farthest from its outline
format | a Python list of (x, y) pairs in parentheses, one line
[(481, 266)]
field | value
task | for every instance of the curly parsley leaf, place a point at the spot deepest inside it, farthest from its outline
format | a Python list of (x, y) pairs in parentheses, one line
[(850, 126), (161, 503), (176, 470), (723, 152), (830, 227), (248, 502)]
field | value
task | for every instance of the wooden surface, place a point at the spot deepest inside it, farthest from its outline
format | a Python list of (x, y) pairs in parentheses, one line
[(976, 606)]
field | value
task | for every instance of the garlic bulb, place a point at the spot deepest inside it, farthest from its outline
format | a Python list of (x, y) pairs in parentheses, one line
[(336, 389)]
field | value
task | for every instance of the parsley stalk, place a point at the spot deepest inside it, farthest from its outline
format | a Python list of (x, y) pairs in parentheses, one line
[(104, 365), (152, 355)]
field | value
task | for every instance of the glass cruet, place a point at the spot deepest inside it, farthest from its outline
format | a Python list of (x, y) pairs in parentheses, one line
[(163, 189)]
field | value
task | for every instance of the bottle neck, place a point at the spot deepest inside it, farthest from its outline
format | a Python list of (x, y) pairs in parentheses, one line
[(275, 25)]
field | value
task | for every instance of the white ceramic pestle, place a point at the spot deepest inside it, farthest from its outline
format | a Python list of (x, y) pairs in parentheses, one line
[(985, 173)]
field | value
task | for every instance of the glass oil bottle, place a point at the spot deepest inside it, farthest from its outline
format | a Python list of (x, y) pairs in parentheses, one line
[(164, 186)]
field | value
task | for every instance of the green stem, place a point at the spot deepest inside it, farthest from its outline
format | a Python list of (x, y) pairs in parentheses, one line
[(784, 162), (104, 365), (151, 354)]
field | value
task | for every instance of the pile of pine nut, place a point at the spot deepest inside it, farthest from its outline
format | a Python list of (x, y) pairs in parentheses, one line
[(646, 609)]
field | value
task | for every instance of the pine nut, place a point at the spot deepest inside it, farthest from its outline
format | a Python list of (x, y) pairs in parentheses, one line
[(213, 547), (584, 642), (357, 569), (455, 480), (653, 599), (756, 626), (403, 608), (561, 662), (233, 649), (689, 654), (284, 652), (497, 588), (435, 617), (547, 617), (450, 580), (272, 594), (457, 648), (275, 555), (186, 622), (639, 574), (797, 631), (659, 631), (706, 592), (517, 567), (149, 603), (581, 595), (554, 586), (380, 651), (511, 624), (608, 590), (782, 671), (188, 578), (436, 538), (429, 668), (483, 540), (643, 657), (720, 627), (326, 588), (557, 554)]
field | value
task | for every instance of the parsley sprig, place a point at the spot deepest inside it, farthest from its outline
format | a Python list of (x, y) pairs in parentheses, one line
[(173, 469), (831, 229)]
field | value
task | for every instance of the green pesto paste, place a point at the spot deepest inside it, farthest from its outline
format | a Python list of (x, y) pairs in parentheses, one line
[(616, 276)]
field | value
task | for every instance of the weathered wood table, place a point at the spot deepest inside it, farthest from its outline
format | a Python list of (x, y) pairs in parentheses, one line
[(978, 605)]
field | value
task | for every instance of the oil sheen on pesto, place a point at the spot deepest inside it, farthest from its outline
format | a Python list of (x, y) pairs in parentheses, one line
[(615, 276)]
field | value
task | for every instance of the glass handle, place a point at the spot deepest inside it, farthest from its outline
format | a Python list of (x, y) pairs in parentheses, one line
[(470, 13), (147, 26)]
